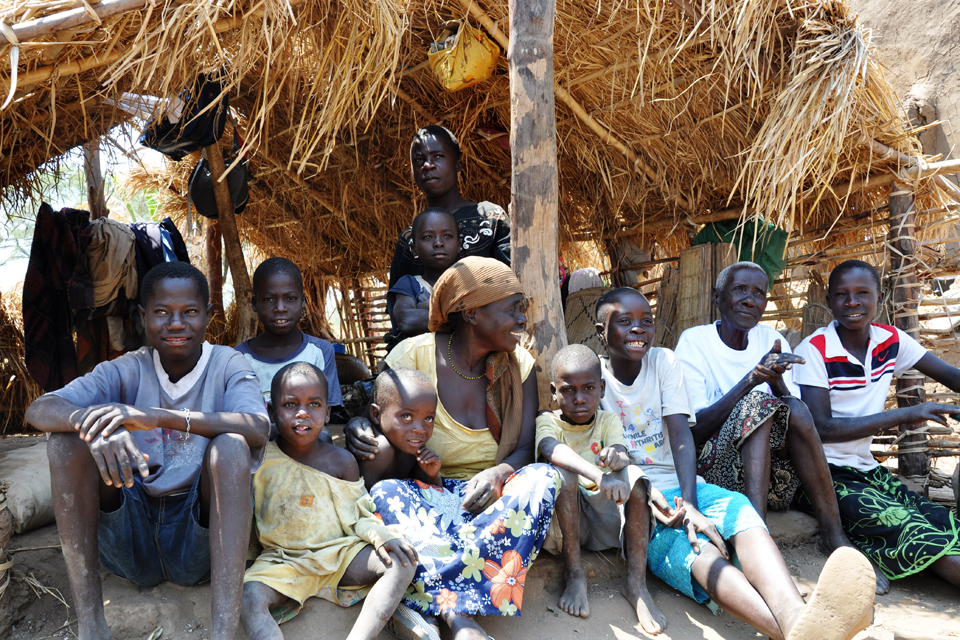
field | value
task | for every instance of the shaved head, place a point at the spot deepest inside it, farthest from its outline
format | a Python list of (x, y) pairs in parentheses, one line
[(293, 369), (576, 358), (390, 384)]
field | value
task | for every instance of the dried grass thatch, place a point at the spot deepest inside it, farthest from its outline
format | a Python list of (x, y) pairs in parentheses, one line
[(17, 388), (668, 115)]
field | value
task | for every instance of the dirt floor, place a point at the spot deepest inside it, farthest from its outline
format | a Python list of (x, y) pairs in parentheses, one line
[(919, 604)]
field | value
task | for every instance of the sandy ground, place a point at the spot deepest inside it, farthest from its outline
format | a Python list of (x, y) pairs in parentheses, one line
[(921, 604)]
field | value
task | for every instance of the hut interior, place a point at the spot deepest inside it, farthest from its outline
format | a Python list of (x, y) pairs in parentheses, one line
[(673, 119)]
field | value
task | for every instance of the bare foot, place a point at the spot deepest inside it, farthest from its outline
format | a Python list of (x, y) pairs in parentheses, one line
[(883, 583), (830, 543), (97, 631), (574, 598), (651, 620), (464, 627)]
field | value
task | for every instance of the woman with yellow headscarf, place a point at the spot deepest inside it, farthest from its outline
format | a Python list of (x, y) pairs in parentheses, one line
[(477, 534)]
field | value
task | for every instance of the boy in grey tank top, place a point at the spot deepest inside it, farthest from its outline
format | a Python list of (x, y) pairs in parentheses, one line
[(151, 456)]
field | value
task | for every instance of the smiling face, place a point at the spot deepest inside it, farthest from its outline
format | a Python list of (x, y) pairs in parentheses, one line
[(628, 331), (175, 321), (854, 298), (436, 241), (743, 300), (435, 166), (578, 393), (502, 323), (301, 409), (279, 303), (406, 417)]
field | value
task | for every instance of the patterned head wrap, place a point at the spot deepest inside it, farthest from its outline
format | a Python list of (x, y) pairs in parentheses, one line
[(470, 283)]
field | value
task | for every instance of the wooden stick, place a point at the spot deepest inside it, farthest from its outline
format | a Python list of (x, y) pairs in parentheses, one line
[(64, 20), (534, 188), (213, 260), (639, 165), (886, 153), (91, 169), (906, 295), (246, 318)]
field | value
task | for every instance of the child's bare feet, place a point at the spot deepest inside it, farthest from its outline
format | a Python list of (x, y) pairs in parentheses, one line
[(97, 631), (651, 620), (464, 627), (574, 598)]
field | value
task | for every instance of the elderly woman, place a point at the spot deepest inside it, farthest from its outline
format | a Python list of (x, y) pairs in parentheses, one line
[(753, 434), (484, 227), (478, 533)]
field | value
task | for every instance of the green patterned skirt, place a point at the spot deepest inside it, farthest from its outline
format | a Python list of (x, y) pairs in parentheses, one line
[(901, 531)]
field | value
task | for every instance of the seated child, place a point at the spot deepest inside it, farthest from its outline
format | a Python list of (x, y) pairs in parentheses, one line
[(436, 244), (314, 520), (850, 364), (279, 302), (404, 405), (644, 386), (609, 502), (151, 456)]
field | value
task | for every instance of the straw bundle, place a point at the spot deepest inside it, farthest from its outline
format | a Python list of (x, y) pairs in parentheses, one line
[(17, 388)]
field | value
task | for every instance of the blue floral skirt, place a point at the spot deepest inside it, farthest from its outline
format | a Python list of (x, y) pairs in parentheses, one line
[(470, 563)]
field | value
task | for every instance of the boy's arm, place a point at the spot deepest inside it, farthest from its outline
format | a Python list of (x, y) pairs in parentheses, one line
[(685, 460), (832, 429), (409, 319), (561, 455), (52, 414), (105, 419), (378, 468), (684, 456)]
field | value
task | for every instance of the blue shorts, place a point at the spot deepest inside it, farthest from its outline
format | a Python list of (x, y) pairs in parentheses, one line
[(152, 540), (670, 556)]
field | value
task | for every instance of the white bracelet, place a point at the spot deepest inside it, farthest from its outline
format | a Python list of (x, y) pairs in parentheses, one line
[(187, 418)]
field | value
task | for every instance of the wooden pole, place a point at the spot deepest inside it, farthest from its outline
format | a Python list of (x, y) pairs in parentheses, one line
[(70, 19), (534, 190), (91, 169), (906, 299), (213, 261), (246, 318)]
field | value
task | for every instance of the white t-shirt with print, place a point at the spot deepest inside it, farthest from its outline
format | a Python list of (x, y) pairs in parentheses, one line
[(711, 368), (853, 393), (657, 391)]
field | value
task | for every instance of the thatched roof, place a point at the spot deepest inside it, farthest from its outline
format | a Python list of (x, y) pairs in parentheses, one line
[(668, 114)]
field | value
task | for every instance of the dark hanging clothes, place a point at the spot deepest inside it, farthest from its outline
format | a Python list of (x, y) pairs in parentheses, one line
[(49, 352), (155, 240), (484, 231)]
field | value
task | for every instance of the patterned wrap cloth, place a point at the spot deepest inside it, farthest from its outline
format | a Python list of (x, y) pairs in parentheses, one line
[(470, 563), (719, 461)]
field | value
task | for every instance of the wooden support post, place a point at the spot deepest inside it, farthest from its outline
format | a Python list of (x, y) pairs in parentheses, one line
[(534, 191), (91, 169), (906, 298), (246, 318), (213, 261)]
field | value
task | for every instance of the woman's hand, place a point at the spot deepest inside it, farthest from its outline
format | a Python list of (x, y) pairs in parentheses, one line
[(104, 419), (115, 458), (482, 490), (772, 366), (361, 439)]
